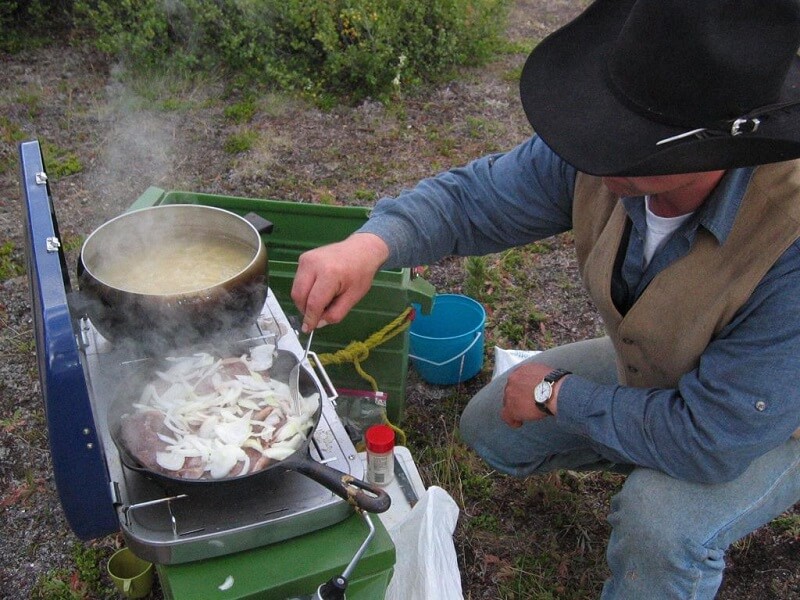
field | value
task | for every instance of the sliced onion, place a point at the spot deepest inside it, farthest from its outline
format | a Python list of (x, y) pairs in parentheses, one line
[(167, 440), (217, 426), (227, 584), (170, 460), (207, 427), (248, 403), (261, 357), (254, 382), (235, 432), (294, 426), (279, 452), (223, 458)]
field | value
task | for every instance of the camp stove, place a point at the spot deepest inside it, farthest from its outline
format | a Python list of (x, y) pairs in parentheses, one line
[(79, 371)]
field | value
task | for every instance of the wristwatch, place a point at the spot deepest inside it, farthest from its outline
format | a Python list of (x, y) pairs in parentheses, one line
[(544, 389)]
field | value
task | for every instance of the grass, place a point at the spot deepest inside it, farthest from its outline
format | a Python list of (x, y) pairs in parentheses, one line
[(363, 195), (30, 99), (444, 141), (788, 524), (72, 242), (64, 164), (13, 422), (479, 128), (477, 282), (54, 585), (82, 581), (242, 111), (169, 89), (10, 264), (508, 285), (10, 134), (240, 142)]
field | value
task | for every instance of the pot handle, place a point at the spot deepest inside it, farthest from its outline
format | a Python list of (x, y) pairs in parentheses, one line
[(260, 223), (343, 485)]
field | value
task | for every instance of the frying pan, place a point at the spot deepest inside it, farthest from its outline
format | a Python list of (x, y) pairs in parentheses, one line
[(360, 493)]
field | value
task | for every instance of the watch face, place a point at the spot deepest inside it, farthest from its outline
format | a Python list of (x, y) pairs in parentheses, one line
[(542, 392)]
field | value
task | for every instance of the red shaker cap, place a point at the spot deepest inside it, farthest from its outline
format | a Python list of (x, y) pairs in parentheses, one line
[(380, 439)]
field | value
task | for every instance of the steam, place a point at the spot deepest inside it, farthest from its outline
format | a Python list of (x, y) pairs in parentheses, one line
[(138, 150), (143, 145)]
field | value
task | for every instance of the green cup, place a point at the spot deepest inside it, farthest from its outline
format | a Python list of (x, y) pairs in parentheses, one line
[(132, 575)]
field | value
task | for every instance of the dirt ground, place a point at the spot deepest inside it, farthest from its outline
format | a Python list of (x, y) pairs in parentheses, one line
[(127, 138)]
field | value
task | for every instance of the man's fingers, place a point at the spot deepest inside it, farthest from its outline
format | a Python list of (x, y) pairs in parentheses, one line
[(301, 287), (331, 279)]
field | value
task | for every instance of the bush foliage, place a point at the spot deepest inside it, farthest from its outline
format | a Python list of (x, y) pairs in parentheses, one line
[(30, 22), (343, 49)]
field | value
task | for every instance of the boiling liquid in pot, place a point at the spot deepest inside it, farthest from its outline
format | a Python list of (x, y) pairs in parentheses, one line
[(176, 266)]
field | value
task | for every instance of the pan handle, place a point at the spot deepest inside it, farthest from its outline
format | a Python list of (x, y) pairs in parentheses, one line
[(260, 223), (343, 485)]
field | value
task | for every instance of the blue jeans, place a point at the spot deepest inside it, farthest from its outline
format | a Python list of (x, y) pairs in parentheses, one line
[(669, 536)]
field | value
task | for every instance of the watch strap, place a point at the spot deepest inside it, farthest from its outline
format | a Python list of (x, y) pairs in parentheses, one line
[(556, 374)]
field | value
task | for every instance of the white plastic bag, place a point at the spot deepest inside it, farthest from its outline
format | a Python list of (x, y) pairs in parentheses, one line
[(426, 567), (505, 359)]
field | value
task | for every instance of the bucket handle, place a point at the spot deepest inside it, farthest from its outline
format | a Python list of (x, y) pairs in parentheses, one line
[(478, 335)]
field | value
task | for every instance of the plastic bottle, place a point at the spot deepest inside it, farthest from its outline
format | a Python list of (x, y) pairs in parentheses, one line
[(380, 454)]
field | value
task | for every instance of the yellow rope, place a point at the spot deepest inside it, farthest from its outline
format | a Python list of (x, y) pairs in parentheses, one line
[(357, 352), (401, 435)]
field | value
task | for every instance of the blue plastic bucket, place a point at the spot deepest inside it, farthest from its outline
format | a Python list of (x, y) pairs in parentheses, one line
[(446, 346)]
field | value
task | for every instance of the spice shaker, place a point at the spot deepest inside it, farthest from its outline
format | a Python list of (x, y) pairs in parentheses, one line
[(380, 454)]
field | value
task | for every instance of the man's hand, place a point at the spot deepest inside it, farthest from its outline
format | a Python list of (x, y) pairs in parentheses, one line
[(331, 279), (518, 404)]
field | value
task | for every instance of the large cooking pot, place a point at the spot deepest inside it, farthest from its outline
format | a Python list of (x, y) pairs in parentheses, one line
[(364, 495), (175, 273)]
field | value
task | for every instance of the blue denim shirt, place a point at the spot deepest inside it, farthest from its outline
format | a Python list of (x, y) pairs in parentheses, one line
[(706, 429)]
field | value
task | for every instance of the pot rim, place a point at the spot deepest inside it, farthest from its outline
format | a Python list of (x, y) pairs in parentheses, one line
[(257, 253)]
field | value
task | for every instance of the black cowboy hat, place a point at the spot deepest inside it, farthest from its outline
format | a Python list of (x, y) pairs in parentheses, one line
[(655, 87)]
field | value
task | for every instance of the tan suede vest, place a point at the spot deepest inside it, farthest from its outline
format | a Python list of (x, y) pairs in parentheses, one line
[(686, 305)]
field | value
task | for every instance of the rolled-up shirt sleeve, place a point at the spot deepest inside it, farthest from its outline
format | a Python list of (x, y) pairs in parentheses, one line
[(491, 204), (742, 400)]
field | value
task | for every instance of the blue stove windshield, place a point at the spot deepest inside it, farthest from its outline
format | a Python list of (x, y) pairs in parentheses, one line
[(78, 465)]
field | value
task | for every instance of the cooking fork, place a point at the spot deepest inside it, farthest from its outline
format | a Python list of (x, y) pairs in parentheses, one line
[(294, 376)]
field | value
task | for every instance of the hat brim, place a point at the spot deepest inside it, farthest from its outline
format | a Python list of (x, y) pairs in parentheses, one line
[(568, 102)]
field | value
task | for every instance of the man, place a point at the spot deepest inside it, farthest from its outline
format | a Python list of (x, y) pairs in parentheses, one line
[(666, 139)]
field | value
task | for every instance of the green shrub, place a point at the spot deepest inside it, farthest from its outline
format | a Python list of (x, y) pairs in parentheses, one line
[(25, 23), (135, 30), (329, 49), (345, 49)]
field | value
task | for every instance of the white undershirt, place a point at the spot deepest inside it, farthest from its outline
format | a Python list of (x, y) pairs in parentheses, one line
[(658, 230)]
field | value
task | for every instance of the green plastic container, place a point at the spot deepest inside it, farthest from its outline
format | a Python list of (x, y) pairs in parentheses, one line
[(290, 569), (299, 227)]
